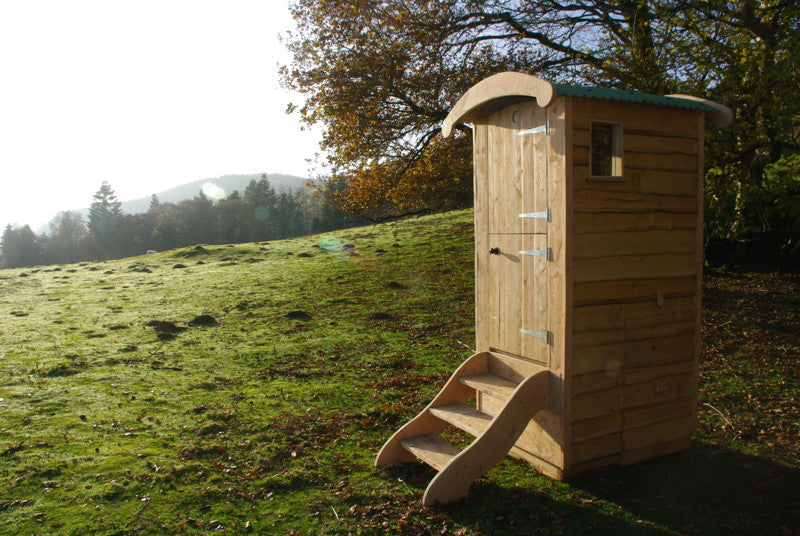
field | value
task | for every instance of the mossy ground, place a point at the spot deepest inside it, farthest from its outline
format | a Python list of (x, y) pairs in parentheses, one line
[(120, 415)]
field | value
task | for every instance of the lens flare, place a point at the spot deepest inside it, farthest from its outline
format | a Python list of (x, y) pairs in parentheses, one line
[(348, 253), (262, 213), (212, 191)]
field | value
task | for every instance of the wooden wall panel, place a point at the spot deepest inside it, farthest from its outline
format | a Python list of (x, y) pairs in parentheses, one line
[(632, 290), (657, 390), (634, 354), (654, 434), (596, 404), (480, 142), (559, 280), (598, 447), (615, 243), (596, 427), (600, 199), (643, 118), (632, 315), (634, 267), (638, 417), (599, 222)]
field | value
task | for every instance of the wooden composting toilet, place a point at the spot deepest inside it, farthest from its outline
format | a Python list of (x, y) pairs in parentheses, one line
[(588, 272)]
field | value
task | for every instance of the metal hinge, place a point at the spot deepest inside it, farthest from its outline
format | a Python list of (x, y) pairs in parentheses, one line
[(546, 335), (547, 253), (541, 129), (545, 215)]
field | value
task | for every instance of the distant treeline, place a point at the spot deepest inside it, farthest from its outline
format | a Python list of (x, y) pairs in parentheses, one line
[(259, 213)]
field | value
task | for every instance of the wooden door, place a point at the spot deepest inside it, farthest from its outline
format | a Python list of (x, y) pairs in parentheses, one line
[(516, 269)]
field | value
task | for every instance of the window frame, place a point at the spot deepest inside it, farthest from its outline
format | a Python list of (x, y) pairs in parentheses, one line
[(617, 169)]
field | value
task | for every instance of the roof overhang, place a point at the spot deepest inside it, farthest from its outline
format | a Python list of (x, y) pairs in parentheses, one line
[(500, 90)]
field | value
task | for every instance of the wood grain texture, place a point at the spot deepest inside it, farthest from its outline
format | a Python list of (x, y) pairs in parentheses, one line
[(598, 447), (634, 354), (599, 199), (657, 433), (663, 265), (560, 270), (600, 222), (481, 193), (453, 481), (635, 116), (632, 290), (616, 243), (507, 84), (425, 423), (608, 337)]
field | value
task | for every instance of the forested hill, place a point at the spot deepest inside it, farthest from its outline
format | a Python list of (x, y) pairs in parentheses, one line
[(228, 183)]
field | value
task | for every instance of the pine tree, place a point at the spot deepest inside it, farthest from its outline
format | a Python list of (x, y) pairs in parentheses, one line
[(105, 221)]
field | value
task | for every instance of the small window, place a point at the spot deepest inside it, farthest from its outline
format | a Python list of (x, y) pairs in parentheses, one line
[(606, 150)]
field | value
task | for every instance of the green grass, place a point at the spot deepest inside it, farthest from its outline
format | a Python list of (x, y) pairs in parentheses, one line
[(265, 419)]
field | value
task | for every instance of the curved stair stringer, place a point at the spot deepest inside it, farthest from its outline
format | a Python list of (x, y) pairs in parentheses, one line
[(453, 481), (453, 392)]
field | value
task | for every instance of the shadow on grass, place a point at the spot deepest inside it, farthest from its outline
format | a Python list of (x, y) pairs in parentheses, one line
[(707, 490)]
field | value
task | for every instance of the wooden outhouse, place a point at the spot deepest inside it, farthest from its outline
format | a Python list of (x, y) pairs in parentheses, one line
[(588, 271)]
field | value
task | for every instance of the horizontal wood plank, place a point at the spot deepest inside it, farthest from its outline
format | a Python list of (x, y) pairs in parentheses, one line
[(615, 243), (602, 200), (666, 265), (643, 181), (600, 338), (634, 354), (675, 366), (596, 381), (632, 315), (431, 449), (465, 418), (657, 390), (635, 116), (635, 160), (653, 141), (599, 447), (643, 416), (512, 368), (596, 427), (655, 434), (631, 291), (600, 222), (597, 403)]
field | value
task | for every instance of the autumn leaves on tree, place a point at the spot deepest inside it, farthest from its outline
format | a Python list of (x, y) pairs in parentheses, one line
[(380, 77)]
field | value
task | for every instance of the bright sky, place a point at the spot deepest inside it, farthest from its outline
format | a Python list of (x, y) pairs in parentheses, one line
[(146, 94)]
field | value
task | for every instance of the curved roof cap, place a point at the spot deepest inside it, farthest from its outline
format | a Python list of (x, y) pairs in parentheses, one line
[(497, 91)]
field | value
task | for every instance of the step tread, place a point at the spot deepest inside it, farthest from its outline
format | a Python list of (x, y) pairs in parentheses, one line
[(489, 383), (464, 417), (431, 449)]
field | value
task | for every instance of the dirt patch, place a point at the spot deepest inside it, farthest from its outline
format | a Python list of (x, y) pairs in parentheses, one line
[(380, 316), (203, 320), (298, 315)]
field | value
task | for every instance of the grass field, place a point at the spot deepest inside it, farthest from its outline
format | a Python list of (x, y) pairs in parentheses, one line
[(246, 389)]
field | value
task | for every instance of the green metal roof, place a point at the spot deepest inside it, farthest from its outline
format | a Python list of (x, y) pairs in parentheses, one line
[(630, 96)]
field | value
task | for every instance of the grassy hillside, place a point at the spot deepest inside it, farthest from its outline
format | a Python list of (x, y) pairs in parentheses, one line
[(247, 388)]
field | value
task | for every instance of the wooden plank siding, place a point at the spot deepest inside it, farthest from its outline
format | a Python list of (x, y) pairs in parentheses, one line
[(635, 284)]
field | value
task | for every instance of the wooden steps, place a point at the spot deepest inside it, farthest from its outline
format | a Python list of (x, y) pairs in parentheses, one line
[(431, 449), (466, 418), (491, 384), (494, 436)]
